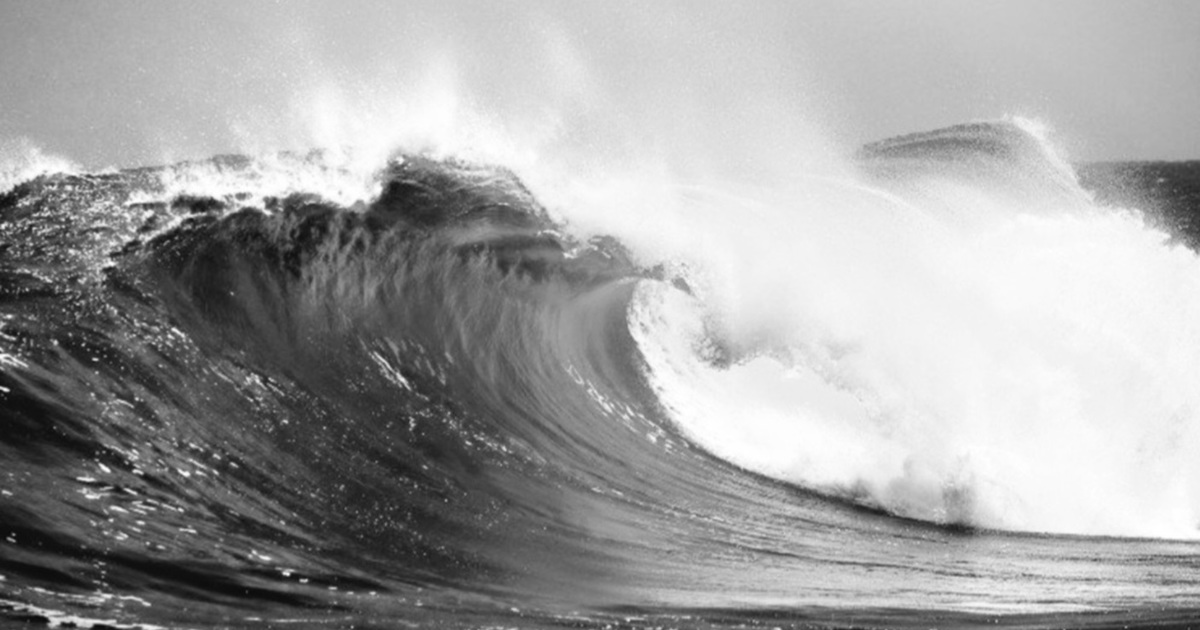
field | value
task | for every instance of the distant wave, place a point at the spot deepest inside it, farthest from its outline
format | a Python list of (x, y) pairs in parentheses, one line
[(1011, 159)]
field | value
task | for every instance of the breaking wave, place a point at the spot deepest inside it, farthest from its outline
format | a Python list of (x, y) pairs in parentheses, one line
[(422, 394)]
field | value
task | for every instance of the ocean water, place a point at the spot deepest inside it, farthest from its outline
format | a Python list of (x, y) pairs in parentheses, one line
[(952, 386)]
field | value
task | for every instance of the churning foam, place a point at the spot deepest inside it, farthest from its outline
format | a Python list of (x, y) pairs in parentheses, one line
[(1031, 371)]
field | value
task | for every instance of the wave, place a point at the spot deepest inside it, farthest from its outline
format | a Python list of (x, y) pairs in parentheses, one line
[(1013, 160), (423, 395)]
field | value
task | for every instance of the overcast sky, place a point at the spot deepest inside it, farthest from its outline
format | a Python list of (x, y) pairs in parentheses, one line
[(122, 83)]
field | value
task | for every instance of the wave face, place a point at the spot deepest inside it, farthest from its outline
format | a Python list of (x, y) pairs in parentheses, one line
[(234, 402)]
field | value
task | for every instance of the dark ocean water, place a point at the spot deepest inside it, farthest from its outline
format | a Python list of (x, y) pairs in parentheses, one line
[(1168, 192), (435, 408)]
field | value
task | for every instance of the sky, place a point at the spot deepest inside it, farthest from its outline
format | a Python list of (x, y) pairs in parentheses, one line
[(126, 83)]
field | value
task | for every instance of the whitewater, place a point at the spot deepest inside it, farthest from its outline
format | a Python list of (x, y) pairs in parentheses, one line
[(974, 343)]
